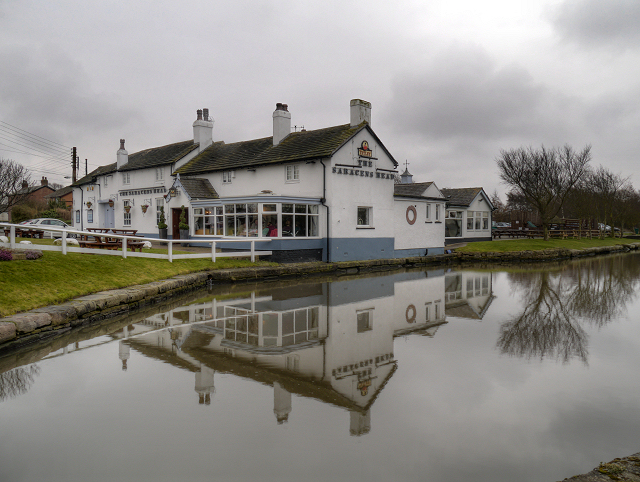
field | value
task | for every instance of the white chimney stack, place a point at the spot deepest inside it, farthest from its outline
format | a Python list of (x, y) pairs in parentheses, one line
[(281, 123), (360, 111), (123, 156), (203, 130)]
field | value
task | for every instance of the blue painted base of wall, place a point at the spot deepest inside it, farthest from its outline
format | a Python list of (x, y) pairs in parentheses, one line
[(340, 249), (410, 253)]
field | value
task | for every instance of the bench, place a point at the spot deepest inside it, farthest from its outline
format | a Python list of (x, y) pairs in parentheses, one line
[(100, 242)]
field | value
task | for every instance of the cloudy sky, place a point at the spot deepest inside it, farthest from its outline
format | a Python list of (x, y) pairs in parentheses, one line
[(451, 81)]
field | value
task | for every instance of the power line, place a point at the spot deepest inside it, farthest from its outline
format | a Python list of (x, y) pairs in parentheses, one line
[(34, 135)]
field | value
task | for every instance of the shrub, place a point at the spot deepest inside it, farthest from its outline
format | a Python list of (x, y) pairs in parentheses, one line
[(33, 254), (5, 255), (163, 222), (183, 219)]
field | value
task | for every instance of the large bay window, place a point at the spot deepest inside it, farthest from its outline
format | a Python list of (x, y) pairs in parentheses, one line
[(477, 220), (266, 220)]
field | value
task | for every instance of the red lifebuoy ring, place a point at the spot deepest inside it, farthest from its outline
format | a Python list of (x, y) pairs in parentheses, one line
[(412, 219), (410, 314)]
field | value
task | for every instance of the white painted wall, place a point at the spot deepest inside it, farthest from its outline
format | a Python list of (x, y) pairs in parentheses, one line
[(346, 192), (423, 233)]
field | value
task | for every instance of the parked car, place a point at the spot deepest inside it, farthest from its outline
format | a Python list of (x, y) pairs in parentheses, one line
[(43, 222)]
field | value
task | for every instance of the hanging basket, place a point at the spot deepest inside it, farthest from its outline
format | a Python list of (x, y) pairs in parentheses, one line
[(110, 203), (144, 208), (127, 209), (89, 205)]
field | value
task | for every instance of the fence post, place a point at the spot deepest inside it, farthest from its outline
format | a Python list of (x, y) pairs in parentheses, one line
[(124, 247), (12, 237), (213, 251), (64, 242), (253, 251), (170, 251)]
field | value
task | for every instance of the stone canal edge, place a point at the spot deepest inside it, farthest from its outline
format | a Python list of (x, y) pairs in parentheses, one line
[(625, 468), (32, 326)]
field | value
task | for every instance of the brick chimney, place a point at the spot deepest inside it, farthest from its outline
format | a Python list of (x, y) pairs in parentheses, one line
[(44, 181), (203, 130), (123, 156), (360, 111), (281, 123)]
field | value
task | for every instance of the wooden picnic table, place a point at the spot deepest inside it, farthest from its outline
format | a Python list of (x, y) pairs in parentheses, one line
[(103, 242)]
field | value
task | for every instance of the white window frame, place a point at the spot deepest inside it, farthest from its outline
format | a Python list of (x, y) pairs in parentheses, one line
[(160, 204), (226, 177), (364, 315), (428, 205), (89, 216), (292, 173), (126, 218), (369, 220), (438, 213), (126, 178), (159, 174)]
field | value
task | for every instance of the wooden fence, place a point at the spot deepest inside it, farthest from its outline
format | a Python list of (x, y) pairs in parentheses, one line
[(127, 247)]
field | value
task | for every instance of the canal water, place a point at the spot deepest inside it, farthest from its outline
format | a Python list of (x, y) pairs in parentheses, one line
[(522, 374)]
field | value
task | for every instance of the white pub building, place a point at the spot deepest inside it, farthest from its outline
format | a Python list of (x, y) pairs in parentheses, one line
[(327, 194)]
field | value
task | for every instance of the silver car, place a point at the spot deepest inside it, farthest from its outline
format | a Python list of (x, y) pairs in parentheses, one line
[(43, 222)]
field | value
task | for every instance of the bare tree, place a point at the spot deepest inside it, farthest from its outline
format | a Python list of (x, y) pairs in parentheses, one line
[(609, 190), (12, 176), (543, 176)]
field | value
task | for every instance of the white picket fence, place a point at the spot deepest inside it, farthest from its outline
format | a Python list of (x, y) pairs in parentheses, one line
[(65, 247)]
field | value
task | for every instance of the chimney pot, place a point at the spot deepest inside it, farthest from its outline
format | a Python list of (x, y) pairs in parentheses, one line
[(203, 130), (44, 181), (281, 123), (360, 112), (122, 144)]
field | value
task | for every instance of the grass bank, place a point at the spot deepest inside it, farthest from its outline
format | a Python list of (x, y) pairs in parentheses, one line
[(54, 278), (514, 245)]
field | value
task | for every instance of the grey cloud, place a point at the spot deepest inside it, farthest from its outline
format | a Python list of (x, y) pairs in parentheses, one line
[(464, 94), (48, 89), (594, 23)]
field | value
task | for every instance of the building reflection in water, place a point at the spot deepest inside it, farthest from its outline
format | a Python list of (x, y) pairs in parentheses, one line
[(329, 341), (468, 294)]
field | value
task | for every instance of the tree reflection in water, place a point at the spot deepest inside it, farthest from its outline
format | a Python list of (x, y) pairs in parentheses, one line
[(558, 303), (17, 381)]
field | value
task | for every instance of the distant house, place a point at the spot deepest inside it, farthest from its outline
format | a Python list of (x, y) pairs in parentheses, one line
[(35, 193), (65, 194), (468, 216)]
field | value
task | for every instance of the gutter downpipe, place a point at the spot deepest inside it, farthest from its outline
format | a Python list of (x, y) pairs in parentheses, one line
[(323, 202)]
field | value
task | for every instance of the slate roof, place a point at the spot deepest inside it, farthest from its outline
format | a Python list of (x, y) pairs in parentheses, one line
[(159, 156), (109, 168), (153, 157), (461, 197), (32, 189), (60, 192), (198, 188), (415, 189), (297, 146)]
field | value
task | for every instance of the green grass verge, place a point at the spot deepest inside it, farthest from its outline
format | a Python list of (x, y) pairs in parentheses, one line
[(503, 246), (54, 278)]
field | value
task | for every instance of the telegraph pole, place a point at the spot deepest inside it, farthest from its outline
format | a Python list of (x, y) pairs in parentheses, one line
[(73, 164)]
